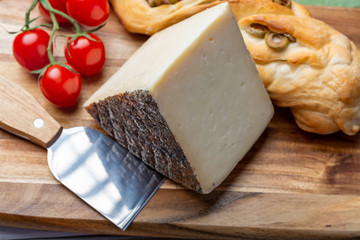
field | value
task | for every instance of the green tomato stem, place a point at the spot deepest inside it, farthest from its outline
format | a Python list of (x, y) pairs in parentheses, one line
[(52, 12), (48, 7), (55, 27), (27, 14), (73, 21)]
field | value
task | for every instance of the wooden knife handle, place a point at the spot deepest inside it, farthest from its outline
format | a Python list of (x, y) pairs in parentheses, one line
[(22, 115)]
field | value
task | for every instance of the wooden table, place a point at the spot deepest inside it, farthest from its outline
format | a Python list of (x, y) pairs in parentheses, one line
[(291, 184)]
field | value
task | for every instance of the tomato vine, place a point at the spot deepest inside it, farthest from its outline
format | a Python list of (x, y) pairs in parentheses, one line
[(78, 55)]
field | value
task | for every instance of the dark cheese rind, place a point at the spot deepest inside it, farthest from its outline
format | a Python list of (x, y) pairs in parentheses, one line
[(134, 120)]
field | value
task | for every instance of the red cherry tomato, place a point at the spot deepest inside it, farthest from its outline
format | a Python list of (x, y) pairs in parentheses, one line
[(61, 86), (29, 49), (88, 12), (86, 55), (58, 5)]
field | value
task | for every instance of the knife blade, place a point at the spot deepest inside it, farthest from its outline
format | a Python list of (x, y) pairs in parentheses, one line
[(89, 163)]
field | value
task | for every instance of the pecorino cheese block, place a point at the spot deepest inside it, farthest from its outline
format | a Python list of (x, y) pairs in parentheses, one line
[(189, 102)]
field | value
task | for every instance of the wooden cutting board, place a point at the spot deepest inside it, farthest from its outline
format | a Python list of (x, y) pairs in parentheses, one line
[(291, 184)]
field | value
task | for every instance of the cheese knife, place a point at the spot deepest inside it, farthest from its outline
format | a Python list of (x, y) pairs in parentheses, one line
[(89, 163)]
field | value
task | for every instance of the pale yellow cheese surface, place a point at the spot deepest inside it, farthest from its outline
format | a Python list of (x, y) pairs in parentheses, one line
[(207, 88)]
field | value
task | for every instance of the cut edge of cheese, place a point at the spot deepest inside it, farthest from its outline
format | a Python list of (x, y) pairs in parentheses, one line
[(189, 102)]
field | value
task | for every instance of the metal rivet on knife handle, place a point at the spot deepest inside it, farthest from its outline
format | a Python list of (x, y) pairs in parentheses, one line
[(39, 123)]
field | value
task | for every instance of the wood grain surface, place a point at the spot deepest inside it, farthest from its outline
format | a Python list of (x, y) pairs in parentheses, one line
[(291, 185), (18, 111)]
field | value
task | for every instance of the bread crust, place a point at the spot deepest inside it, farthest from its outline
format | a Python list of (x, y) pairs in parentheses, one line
[(138, 17), (318, 76), (244, 8)]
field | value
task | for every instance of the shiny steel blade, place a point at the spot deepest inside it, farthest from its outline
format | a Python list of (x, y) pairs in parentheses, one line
[(103, 173)]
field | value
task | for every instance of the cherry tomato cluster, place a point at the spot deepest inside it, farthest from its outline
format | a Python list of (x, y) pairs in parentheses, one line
[(84, 51)]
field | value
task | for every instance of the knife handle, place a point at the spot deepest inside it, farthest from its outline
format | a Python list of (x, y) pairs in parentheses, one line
[(22, 115)]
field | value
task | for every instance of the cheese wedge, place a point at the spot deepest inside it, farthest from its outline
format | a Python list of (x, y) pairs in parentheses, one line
[(189, 102)]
